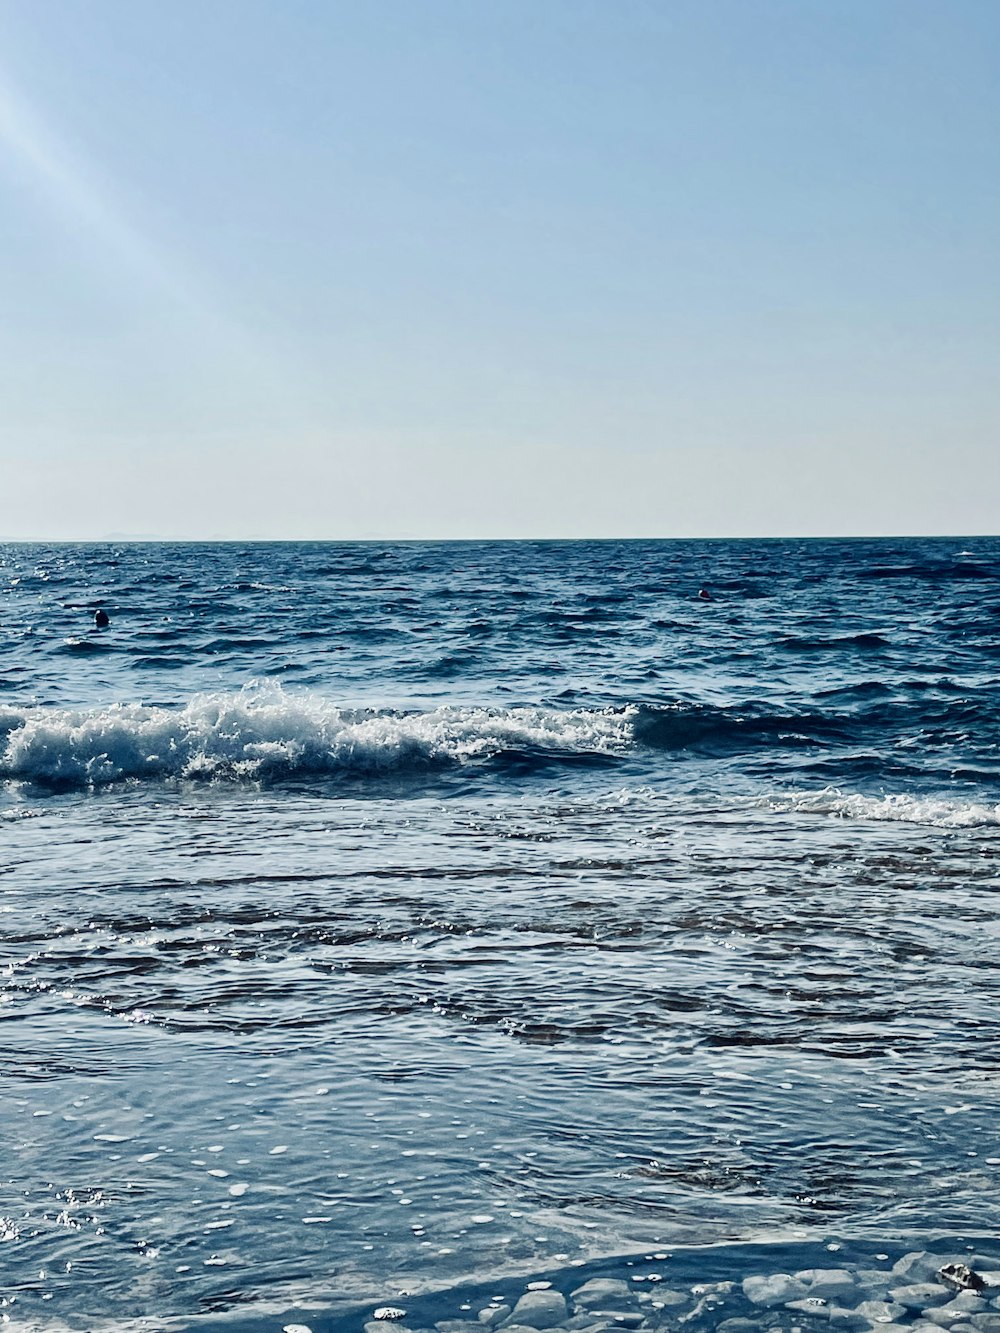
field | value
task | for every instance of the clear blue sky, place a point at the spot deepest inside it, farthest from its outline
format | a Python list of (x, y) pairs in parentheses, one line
[(457, 268)]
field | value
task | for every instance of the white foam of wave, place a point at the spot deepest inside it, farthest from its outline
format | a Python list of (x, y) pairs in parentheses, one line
[(899, 809), (264, 730)]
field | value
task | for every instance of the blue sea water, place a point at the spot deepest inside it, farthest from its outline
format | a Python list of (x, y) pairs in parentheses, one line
[(392, 917)]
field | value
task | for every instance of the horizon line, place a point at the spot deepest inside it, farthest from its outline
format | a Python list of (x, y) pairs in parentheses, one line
[(156, 540)]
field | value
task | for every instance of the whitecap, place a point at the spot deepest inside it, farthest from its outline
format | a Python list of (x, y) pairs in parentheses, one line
[(897, 808), (262, 730)]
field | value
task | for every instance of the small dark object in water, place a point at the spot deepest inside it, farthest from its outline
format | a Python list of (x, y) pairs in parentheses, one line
[(961, 1277), (705, 595), (101, 619)]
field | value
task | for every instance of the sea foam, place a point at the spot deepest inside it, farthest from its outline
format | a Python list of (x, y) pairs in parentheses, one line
[(900, 808), (265, 731)]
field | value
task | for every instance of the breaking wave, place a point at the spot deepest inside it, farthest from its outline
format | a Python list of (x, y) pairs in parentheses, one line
[(266, 732), (901, 809)]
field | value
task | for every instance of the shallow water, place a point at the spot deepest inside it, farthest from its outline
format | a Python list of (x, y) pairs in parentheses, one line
[(485, 944)]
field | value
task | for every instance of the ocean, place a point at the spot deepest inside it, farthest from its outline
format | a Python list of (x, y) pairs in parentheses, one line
[(393, 923)]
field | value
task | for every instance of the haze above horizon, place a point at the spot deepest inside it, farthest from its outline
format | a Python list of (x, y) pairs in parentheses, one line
[(438, 270)]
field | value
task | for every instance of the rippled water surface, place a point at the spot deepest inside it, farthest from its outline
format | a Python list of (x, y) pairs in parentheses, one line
[(378, 918)]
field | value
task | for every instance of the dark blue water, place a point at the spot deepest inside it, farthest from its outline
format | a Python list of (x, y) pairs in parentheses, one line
[(390, 916)]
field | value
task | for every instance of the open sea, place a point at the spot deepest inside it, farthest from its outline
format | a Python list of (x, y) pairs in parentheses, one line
[(394, 922)]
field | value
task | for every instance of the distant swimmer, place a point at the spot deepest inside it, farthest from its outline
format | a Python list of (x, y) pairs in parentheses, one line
[(705, 595), (101, 619)]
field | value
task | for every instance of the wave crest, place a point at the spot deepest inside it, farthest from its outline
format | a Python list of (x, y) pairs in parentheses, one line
[(265, 732), (900, 809)]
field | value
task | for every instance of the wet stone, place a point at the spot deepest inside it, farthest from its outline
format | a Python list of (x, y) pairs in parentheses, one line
[(960, 1277), (713, 1289), (603, 1293), (955, 1312), (778, 1289), (920, 1295), (878, 1278), (666, 1296), (964, 1303), (882, 1312), (848, 1320), (943, 1316), (539, 1309), (708, 1305), (832, 1284), (985, 1323), (810, 1305), (917, 1266), (493, 1314)]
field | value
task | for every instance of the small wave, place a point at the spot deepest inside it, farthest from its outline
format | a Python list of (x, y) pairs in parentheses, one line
[(262, 731), (932, 571), (845, 641), (900, 809), (712, 730), (83, 647)]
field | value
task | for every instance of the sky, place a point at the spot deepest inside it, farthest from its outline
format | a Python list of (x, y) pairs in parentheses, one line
[(499, 268)]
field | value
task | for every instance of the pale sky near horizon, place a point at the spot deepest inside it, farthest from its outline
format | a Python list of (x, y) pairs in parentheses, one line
[(450, 268)]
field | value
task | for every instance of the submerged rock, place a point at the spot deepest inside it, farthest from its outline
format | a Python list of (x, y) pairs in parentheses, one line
[(920, 1295), (817, 1306), (539, 1309), (831, 1284), (967, 1301), (709, 1303), (848, 1320), (603, 1293), (493, 1314), (917, 1266), (667, 1296), (778, 1289), (882, 1312)]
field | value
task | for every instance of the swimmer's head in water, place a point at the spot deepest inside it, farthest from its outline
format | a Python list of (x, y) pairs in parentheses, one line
[(101, 618)]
